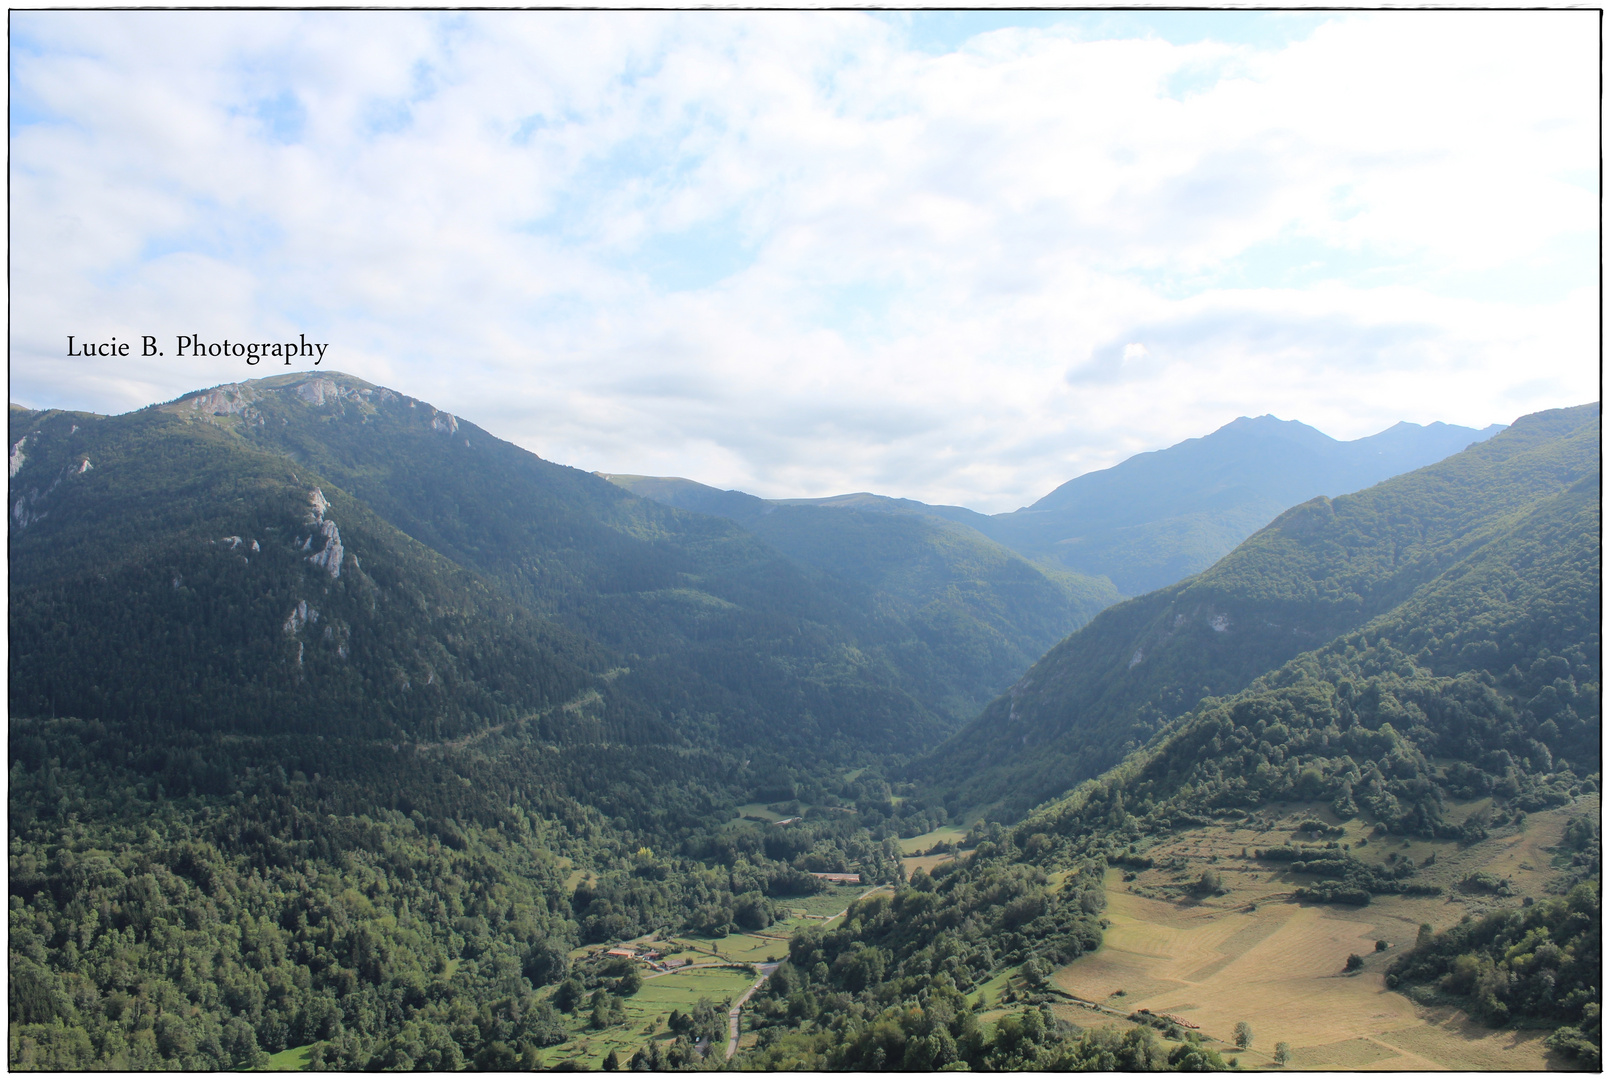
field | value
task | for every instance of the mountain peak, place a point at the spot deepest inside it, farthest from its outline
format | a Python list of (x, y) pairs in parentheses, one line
[(1270, 425)]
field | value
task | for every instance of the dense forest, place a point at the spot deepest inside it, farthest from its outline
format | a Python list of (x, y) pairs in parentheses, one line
[(984, 610), (196, 906), (338, 725)]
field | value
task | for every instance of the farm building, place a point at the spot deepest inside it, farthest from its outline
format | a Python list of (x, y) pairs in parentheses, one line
[(842, 879)]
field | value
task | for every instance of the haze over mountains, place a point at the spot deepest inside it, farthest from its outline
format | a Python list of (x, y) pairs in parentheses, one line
[(466, 582), (1320, 570), (1162, 516), (1147, 522), (376, 718), (472, 582)]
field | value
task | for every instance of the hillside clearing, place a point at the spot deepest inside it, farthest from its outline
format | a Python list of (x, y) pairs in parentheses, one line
[(1250, 954), (646, 1014)]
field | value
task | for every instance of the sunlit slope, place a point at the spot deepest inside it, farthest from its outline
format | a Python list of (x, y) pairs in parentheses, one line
[(1320, 570)]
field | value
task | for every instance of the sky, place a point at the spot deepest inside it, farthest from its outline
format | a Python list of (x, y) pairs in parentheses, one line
[(956, 257)]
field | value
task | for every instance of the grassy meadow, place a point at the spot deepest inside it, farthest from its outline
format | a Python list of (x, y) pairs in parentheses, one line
[(949, 834), (1251, 955), (293, 1059), (646, 1014), (914, 846)]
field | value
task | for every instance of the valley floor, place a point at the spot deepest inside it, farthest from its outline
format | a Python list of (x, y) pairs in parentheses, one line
[(717, 969)]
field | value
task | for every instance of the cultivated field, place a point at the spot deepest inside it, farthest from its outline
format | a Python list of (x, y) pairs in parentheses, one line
[(1251, 954), (914, 845), (816, 908), (771, 944)]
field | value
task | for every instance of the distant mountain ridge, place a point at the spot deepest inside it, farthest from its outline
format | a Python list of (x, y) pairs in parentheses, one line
[(984, 609), (1160, 516), (1323, 568), (1154, 518)]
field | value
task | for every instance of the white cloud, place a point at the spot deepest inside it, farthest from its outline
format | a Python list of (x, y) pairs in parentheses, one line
[(788, 253)]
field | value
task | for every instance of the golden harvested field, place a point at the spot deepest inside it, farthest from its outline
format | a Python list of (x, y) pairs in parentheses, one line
[(925, 863), (1253, 955)]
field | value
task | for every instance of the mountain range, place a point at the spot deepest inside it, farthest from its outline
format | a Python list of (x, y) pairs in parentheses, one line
[(1148, 521), (1320, 570), (344, 731), (1159, 517), (323, 552)]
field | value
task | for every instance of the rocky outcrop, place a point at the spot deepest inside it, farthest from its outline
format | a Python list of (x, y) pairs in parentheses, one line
[(23, 515), (318, 391), (15, 462), (231, 399), (301, 615), (330, 555), (26, 510)]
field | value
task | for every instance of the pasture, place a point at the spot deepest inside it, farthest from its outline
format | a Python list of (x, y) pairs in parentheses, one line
[(1250, 954), (948, 834), (914, 846), (815, 908), (738, 948), (926, 863), (646, 1014), (294, 1059)]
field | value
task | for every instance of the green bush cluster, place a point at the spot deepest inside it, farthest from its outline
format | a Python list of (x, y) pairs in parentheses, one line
[(1537, 962)]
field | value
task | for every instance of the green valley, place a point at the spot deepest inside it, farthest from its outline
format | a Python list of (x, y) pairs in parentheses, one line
[(345, 735)]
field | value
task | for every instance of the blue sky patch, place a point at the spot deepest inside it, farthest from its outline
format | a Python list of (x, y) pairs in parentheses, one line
[(283, 118), (694, 258), (940, 32)]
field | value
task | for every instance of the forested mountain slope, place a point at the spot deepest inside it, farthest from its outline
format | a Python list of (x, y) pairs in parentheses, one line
[(1320, 570), (702, 630), (282, 772), (338, 724), (1486, 683), (1158, 517), (985, 611), (168, 573), (1145, 523)]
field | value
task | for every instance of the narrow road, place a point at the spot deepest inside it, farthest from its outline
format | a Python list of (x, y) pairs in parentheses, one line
[(737, 1009), (736, 1012)]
